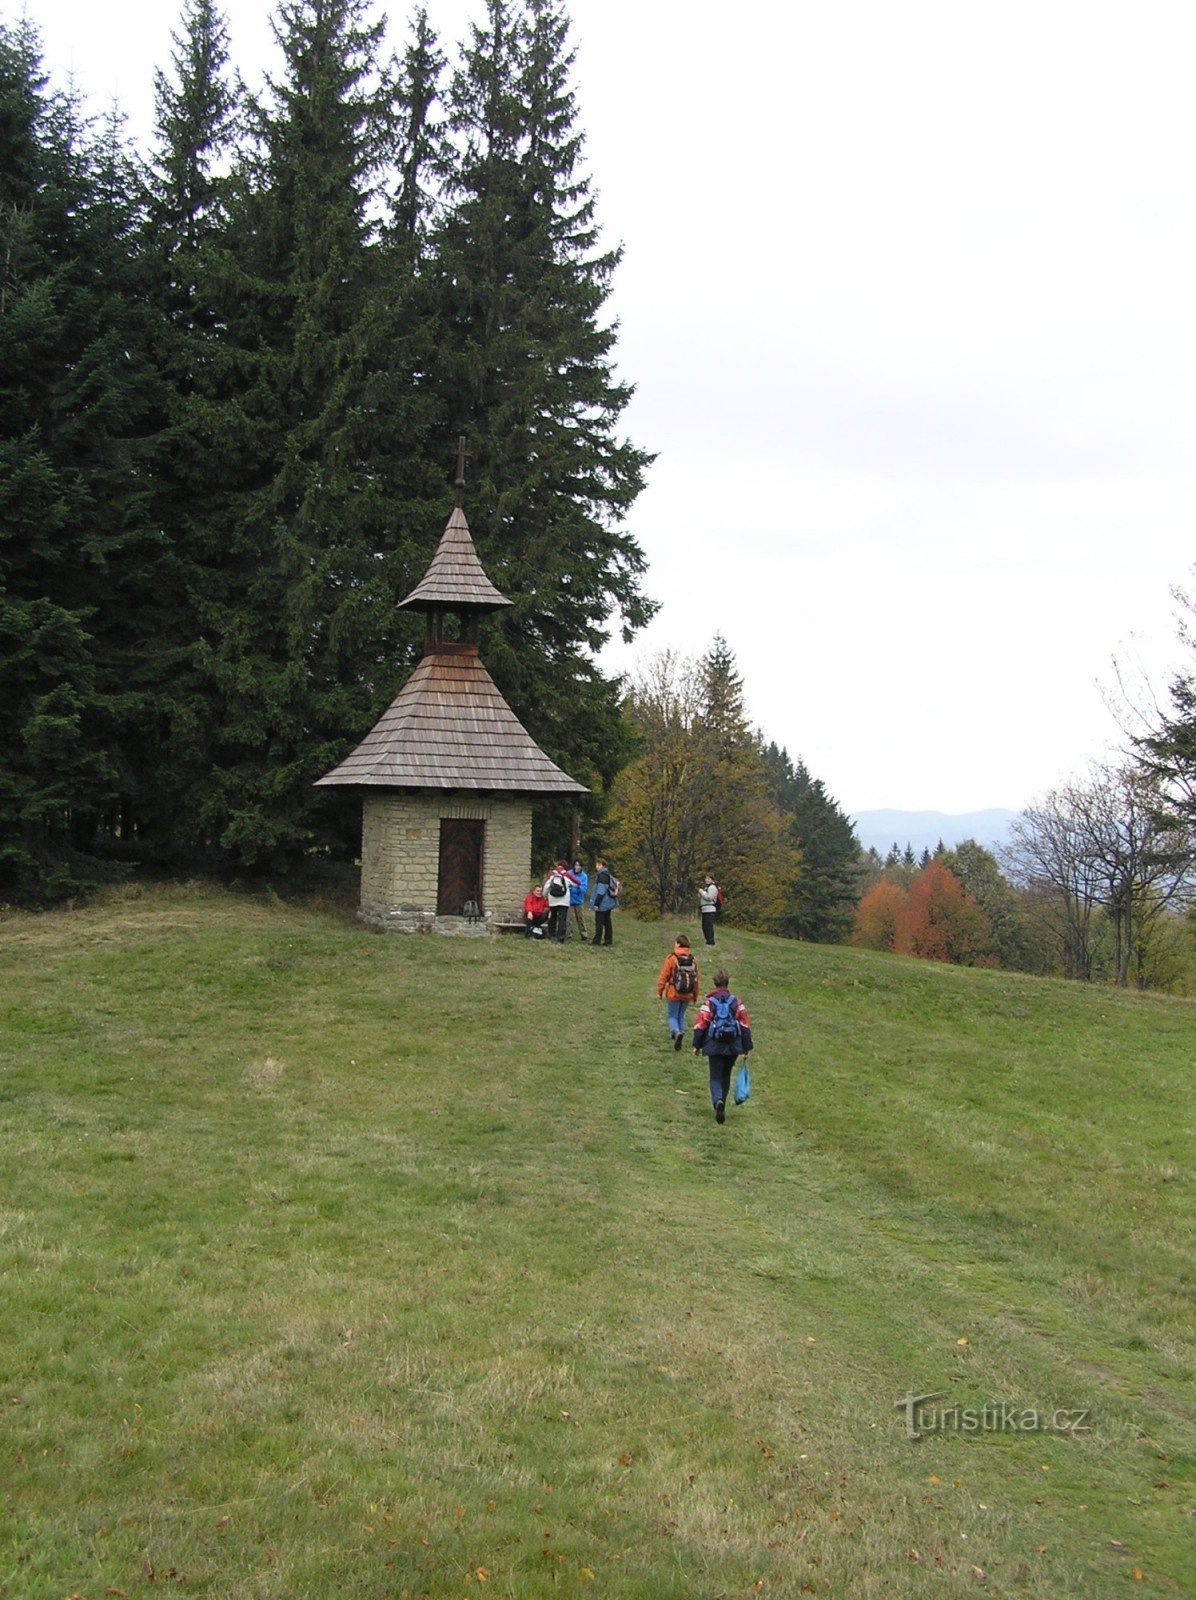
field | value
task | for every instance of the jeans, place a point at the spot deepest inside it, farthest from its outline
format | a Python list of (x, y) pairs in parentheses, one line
[(721, 1068), (601, 927), (708, 926), (676, 1015)]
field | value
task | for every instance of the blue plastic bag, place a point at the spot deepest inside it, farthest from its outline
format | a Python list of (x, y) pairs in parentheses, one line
[(743, 1084)]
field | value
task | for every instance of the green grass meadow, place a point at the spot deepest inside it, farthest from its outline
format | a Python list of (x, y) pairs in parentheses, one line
[(334, 1264)]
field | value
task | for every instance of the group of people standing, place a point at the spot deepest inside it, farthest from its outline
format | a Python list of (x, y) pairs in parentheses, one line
[(722, 1029), (547, 905)]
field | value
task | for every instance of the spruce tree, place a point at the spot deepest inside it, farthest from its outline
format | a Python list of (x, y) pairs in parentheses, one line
[(78, 552), (194, 134), (301, 625), (420, 151), (1167, 747), (830, 877), (747, 845), (521, 283), (200, 444)]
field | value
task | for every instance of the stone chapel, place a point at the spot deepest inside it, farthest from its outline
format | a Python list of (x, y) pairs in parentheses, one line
[(448, 774)]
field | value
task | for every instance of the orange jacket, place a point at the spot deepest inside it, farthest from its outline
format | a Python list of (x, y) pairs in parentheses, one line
[(664, 983)]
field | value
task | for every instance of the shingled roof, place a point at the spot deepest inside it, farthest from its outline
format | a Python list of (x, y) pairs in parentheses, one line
[(450, 728), (455, 578)]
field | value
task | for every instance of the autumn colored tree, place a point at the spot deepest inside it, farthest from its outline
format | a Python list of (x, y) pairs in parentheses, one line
[(698, 798), (877, 915), (655, 831), (939, 920)]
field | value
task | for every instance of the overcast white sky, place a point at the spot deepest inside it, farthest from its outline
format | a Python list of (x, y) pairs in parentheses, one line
[(908, 299)]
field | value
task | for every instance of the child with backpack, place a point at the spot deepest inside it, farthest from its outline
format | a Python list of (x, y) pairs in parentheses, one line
[(677, 985), (722, 1032)]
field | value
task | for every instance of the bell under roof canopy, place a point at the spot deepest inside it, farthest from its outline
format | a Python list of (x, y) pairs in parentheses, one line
[(455, 580), (450, 728)]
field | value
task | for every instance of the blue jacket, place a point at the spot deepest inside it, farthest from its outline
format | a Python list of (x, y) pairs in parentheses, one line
[(577, 891), (602, 899)]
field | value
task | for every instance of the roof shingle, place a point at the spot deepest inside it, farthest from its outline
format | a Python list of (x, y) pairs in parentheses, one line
[(455, 577), (450, 728)]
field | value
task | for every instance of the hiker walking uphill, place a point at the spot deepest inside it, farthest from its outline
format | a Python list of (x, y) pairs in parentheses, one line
[(722, 1032), (677, 985), (710, 899), (604, 900)]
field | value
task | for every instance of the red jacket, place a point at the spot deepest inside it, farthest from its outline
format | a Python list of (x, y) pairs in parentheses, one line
[(703, 1019), (535, 905)]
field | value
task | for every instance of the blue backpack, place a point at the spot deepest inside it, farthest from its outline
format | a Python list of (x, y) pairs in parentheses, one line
[(724, 1035)]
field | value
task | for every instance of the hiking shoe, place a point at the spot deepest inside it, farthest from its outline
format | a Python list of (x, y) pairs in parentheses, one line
[(720, 1111), (677, 1041)]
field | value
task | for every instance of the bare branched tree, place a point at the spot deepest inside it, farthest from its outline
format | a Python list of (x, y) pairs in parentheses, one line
[(1108, 843)]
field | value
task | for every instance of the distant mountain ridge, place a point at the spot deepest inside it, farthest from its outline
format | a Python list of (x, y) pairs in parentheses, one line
[(922, 830)]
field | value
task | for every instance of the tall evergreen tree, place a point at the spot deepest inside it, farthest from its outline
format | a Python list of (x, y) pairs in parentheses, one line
[(194, 132), (830, 877), (420, 149), (747, 842), (1167, 749), (77, 550), (201, 439), (521, 285), (302, 624)]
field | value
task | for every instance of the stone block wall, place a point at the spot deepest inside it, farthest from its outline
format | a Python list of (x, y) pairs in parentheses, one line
[(400, 859), (508, 867)]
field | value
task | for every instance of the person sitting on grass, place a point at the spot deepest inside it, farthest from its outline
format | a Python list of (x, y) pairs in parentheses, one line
[(535, 913), (721, 1033)]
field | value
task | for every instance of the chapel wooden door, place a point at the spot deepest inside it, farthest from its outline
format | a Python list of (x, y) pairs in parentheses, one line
[(462, 840)]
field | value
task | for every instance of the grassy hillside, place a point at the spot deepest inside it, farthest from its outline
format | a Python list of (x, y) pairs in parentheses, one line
[(341, 1265)]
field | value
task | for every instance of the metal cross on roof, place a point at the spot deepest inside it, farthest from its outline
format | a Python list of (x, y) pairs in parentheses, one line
[(462, 458)]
